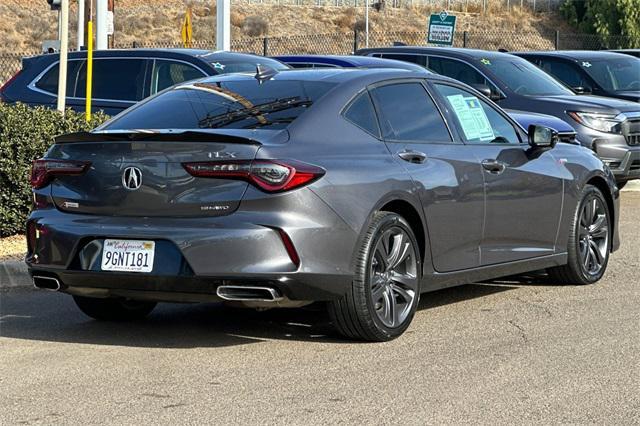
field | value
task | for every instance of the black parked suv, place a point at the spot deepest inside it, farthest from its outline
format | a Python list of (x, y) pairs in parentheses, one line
[(611, 127), (122, 77), (632, 52), (601, 73)]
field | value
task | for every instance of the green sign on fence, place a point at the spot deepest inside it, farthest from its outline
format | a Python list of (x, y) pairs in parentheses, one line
[(442, 27)]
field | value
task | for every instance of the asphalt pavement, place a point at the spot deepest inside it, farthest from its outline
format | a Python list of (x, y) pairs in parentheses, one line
[(515, 351)]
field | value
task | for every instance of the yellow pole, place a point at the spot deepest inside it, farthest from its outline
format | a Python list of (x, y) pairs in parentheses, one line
[(89, 69)]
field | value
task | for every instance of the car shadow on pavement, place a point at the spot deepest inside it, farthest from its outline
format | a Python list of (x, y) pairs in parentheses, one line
[(43, 316)]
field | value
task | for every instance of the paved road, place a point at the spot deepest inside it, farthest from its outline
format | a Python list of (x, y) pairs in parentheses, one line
[(508, 352)]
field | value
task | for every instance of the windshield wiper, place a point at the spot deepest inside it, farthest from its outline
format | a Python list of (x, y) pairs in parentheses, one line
[(256, 111)]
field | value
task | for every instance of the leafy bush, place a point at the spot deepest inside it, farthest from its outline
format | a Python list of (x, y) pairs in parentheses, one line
[(25, 134), (609, 19)]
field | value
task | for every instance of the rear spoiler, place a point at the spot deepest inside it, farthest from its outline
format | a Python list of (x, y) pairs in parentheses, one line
[(141, 136)]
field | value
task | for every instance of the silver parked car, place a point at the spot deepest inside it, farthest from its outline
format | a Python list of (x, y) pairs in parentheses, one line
[(359, 188)]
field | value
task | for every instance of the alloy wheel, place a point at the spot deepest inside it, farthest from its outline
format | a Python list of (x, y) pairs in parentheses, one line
[(593, 236), (393, 277)]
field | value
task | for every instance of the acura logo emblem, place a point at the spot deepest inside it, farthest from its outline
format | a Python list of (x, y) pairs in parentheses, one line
[(132, 178)]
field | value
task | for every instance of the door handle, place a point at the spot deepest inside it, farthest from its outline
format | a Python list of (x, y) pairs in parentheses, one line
[(494, 166), (411, 156)]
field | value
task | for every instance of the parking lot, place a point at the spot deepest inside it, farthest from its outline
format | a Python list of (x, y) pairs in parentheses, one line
[(524, 351)]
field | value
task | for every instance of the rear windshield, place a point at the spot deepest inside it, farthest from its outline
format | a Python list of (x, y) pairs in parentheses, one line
[(244, 104)]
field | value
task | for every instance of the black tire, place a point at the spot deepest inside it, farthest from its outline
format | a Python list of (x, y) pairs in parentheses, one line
[(575, 271), (114, 309), (356, 315)]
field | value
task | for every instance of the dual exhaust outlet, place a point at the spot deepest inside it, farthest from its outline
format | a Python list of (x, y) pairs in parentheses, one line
[(232, 293)]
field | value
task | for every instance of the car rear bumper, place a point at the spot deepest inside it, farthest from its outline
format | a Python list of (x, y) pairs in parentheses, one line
[(196, 255)]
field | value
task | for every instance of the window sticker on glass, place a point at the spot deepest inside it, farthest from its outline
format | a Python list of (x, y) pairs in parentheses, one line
[(472, 117), (586, 64), (485, 61)]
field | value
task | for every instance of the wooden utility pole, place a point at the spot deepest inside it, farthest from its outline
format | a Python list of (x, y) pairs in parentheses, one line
[(111, 19), (64, 50)]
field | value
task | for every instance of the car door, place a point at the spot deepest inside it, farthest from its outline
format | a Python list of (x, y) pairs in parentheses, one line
[(524, 186), (117, 83), (448, 176)]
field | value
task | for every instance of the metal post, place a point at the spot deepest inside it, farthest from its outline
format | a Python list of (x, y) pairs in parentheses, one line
[(366, 23), (101, 25), (464, 39), (223, 25), (265, 46), (111, 22), (355, 40), (80, 30), (557, 40), (64, 50), (89, 87)]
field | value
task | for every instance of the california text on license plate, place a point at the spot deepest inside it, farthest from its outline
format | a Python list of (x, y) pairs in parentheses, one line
[(128, 255)]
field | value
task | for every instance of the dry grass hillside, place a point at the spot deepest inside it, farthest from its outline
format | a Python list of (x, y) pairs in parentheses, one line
[(24, 24)]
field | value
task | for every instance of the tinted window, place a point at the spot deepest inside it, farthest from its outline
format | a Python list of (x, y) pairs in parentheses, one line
[(617, 74), (362, 114), (167, 73), (49, 81), (563, 72), (416, 59), (116, 79), (407, 113), (479, 122), (456, 70), (523, 77), (233, 104)]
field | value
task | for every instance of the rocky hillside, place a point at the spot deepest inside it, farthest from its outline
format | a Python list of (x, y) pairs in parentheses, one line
[(24, 24)]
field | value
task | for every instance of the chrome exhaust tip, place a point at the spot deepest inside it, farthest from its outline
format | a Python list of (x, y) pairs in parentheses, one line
[(46, 283), (237, 293)]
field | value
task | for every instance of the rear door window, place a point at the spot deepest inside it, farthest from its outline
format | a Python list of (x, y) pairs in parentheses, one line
[(408, 114), (49, 81), (166, 73), (457, 70), (361, 113), (118, 79)]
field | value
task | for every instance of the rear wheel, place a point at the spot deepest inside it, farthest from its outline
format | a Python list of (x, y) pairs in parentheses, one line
[(589, 241), (385, 291), (114, 309)]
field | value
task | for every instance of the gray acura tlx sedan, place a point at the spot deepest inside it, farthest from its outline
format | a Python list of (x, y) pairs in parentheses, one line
[(359, 188)]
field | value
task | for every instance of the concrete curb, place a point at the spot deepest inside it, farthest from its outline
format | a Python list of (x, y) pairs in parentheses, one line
[(633, 186), (13, 274)]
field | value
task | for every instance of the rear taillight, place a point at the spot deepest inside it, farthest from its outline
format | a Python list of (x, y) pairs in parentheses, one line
[(43, 171), (8, 82), (267, 175)]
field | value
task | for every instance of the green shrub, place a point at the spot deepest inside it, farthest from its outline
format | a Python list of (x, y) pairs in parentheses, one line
[(25, 134)]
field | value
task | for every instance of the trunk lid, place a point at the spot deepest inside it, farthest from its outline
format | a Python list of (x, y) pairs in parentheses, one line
[(141, 174)]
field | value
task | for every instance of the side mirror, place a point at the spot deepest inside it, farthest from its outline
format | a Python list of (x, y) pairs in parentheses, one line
[(486, 90), (580, 90), (542, 137)]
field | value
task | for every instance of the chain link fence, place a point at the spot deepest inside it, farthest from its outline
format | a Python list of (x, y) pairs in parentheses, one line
[(347, 43)]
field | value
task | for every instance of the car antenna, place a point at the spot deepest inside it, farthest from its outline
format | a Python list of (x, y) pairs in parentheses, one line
[(264, 73), (503, 50)]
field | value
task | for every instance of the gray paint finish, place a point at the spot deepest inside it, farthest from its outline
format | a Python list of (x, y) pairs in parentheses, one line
[(475, 225)]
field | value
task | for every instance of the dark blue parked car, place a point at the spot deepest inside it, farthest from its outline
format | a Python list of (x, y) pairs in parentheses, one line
[(344, 61), (122, 77)]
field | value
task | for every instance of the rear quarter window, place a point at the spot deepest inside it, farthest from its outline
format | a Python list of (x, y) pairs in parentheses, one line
[(361, 113)]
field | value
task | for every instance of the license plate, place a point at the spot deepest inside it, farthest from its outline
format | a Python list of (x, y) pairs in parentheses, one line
[(128, 255)]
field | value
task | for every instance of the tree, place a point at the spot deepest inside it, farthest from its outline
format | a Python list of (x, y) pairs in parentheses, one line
[(616, 22)]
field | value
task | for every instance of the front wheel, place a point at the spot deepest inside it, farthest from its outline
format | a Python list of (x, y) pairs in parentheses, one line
[(589, 241), (114, 309), (385, 291)]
